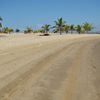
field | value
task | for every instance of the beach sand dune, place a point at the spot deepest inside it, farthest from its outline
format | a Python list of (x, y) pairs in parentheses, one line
[(56, 67)]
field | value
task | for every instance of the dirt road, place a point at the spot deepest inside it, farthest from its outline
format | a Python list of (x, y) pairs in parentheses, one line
[(50, 68)]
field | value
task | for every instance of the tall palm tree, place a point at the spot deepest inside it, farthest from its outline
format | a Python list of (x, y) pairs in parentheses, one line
[(72, 28), (1, 19), (0, 24), (87, 27), (46, 28), (66, 28), (59, 25), (79, 28)]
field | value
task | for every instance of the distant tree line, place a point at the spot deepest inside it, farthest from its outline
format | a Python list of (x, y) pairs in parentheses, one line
[(59, 27)]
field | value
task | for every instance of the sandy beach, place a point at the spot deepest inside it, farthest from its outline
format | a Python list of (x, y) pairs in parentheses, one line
[(59, 67)]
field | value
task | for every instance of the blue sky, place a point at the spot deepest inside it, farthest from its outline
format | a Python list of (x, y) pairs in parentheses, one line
[(34, 13)]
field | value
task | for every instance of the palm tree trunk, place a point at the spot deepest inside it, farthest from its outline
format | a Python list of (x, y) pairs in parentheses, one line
[(60, 31), (87, 32), (71, 31), (46, 31)]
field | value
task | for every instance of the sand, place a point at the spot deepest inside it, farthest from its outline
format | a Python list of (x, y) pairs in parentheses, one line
[(55, 67)]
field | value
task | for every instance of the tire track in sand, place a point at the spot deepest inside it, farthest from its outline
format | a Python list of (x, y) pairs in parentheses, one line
[(25, 76)]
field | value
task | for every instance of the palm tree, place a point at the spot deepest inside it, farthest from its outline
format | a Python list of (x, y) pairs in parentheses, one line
[(46, 28), (1, 19), (7, 30), (0, 24), (72, 28), (79, 28), (28, 30), (17, 30), (87, 27), (66, 28), (59, 25)]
